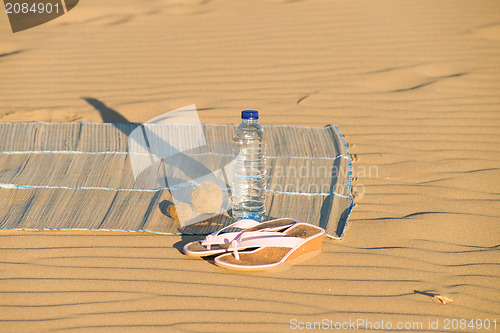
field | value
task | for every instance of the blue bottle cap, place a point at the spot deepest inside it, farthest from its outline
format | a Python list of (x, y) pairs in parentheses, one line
[(249, 114)]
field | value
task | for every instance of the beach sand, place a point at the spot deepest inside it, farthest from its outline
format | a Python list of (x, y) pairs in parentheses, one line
[(415, 88)]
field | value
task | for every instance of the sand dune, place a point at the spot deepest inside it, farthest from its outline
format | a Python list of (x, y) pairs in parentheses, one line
[(414, 87)]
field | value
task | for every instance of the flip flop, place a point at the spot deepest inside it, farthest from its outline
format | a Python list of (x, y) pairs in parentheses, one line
[(272, 251), (219, 241)]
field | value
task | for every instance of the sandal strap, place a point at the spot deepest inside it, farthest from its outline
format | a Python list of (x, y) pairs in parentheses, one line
[(265, 240), (241, 224), (245, 224), (218, 238), (240, 236)]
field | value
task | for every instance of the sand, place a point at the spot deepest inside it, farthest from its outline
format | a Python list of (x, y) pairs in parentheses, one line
[(413, 85)]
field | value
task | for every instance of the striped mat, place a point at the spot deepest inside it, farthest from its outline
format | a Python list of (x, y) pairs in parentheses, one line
[(78, 176)]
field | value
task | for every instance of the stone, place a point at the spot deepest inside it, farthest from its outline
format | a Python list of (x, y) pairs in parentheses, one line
[(207, 199)]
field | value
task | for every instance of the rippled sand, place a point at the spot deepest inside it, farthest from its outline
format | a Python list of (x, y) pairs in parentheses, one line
[(415, 88)]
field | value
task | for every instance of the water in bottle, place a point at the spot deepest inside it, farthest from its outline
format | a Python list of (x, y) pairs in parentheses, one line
[(249, 169)]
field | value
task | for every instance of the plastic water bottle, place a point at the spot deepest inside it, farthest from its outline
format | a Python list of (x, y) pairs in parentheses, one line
[(249, 169)]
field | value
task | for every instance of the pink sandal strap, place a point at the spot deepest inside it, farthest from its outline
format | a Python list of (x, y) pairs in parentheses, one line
[(218, 238), (272, 239), (224, 238)]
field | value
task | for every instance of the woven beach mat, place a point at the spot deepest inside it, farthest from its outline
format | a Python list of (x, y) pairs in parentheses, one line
[(79, 176)]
